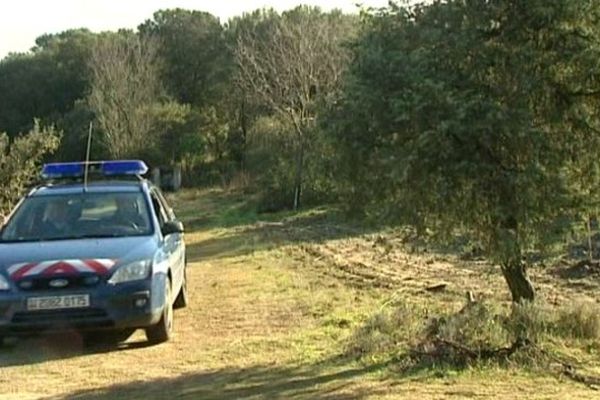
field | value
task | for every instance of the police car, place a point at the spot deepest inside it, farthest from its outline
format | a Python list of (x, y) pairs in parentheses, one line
[(96, 248)]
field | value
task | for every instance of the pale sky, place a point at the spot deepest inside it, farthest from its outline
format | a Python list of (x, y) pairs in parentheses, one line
[(22, 21)]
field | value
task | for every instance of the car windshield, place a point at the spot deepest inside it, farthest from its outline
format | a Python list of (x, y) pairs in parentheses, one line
[(81, 215)]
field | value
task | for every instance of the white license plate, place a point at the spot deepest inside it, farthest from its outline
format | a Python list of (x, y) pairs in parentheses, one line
[(58, 302)]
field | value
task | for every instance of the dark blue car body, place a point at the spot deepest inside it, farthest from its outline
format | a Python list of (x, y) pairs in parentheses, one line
[(111, 307)]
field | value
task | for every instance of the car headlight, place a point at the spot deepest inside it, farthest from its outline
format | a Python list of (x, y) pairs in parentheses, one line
[(131, 272), (4, 285)]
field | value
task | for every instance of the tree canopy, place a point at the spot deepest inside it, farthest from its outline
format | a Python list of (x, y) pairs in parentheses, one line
[(481, 116)]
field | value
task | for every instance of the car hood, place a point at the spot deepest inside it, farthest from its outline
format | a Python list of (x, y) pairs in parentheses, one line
[(105, 253)]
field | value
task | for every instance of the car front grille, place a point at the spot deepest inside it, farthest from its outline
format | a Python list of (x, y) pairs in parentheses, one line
[(77, 317), (72, 282)]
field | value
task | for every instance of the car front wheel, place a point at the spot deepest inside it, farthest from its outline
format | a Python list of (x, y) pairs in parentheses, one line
[(106, 338), (181, 301), (162, 331)]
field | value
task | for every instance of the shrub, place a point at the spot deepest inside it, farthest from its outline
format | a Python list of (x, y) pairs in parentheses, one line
[(386, 331), (530, 321), (579, 321), (478, 332), (476, 326)]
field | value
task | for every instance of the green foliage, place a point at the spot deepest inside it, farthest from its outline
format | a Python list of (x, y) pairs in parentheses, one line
[(273, 169), (477, 116), (75, 125), (197, 59), (448, 115), (270, 162), (204, 117), (213, 134), (19, 162), (45, 83), (172, 128)]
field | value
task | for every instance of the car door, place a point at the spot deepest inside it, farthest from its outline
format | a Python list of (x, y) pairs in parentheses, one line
[(173, 244)]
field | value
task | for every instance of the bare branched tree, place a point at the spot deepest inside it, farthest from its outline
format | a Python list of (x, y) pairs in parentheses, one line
[(125, 83), (293, 64)]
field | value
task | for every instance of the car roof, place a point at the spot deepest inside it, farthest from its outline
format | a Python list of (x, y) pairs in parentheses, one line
[(51, 189)]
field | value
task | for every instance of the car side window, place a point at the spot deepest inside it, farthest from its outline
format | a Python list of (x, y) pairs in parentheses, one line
[(158, 209), (168, 210)]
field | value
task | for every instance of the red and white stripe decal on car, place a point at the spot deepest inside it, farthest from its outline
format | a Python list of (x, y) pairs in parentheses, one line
[(99, 266)]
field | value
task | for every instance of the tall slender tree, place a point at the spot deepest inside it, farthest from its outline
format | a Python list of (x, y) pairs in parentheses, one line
[(291, 64), (125, 83)]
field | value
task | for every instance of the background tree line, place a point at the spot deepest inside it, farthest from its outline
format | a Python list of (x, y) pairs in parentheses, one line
[(468, 116), (185, 88)]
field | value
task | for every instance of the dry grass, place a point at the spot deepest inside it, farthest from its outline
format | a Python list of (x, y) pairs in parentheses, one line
[(275, 301), (581, 320)]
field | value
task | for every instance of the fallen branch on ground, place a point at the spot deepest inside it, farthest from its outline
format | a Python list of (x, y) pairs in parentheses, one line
[(438, 349)]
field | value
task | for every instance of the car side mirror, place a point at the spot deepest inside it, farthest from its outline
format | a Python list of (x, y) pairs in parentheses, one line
[(170, 227)]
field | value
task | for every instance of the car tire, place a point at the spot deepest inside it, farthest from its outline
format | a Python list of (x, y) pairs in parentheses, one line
[(163, 330), (182, 298), (106, 338)]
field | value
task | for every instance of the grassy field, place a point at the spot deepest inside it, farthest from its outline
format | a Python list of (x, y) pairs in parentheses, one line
[(279, 309)]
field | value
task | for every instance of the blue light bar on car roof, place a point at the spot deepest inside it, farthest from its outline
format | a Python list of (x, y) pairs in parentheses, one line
[(106, 168), (62, 170), (124, 167)]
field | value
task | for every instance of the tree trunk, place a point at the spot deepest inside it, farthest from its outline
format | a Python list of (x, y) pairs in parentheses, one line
[(244, 130), (298, 176), (520, 286), (590, 235)]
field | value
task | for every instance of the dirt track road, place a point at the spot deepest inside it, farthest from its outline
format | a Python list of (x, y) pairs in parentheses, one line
[(237, 336), (264, 322)]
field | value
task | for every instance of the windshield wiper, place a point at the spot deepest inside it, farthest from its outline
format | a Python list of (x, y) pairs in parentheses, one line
[(94, 236), (34, 240), (73, 237)]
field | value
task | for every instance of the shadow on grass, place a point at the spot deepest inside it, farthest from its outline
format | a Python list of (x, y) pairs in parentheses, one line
[(240, 230), (324, 381), (312, 226), (59, 346), (211, 209)]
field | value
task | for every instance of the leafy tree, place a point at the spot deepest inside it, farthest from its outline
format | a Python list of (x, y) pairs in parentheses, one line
[(44, 83), (19, 162), (480, 116), (198, 66), (27, 84), (195, 55), (172, 123), (74, 126), (70, 52)]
